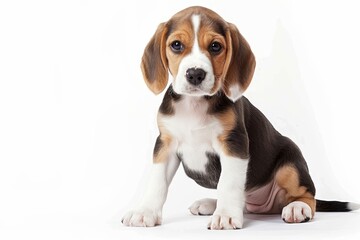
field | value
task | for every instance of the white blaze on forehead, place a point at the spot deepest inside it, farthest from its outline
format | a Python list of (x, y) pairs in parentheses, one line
[(195, 19)]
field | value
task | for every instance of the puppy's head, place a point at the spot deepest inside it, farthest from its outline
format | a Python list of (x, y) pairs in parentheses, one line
[(202, 52)]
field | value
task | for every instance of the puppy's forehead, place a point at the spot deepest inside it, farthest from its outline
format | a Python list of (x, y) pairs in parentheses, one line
[(184, 20), (213, 22)]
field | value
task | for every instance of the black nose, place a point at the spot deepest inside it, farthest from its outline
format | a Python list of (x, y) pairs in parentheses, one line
[(195, 76)]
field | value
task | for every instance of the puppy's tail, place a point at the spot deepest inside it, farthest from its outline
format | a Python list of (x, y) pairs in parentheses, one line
[(335, 206)]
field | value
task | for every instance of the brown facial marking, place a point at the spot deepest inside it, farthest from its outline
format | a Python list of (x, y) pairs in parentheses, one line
[(183, 33), (206, 37), (287, 177), (212, 29)]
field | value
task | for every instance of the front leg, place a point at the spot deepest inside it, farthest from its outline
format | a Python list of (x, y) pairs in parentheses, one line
[(231, 194), (149, 212)]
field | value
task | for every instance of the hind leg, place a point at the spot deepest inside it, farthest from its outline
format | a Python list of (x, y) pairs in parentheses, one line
[(204, 206), (299, 201), (297, 212)]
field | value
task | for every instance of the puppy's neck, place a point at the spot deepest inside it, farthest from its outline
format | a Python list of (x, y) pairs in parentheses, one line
[(214, 104), (194, 103)]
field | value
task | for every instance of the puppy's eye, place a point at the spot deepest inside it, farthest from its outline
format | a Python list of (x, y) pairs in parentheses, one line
[(177, 46), (215, 47)]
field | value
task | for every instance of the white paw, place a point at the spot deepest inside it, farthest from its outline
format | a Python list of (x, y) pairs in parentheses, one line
[(225, 221), (142, 218), (296, 212), (204, 206)]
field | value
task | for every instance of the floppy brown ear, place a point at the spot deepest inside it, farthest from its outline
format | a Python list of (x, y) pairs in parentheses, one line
[(154, 64), (239, 66)]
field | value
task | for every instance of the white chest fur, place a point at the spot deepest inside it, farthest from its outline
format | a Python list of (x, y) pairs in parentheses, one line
[(194, 131)]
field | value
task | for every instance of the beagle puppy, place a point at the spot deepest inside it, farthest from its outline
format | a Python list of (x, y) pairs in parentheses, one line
[(221, 139)]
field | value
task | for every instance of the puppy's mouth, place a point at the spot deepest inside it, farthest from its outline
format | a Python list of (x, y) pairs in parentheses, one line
[(195, 91), (183, 86)]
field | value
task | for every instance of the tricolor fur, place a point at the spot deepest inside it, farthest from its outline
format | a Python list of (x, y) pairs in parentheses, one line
[(221, 139)]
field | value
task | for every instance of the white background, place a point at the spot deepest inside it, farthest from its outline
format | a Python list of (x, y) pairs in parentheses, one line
[(77, 123)]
